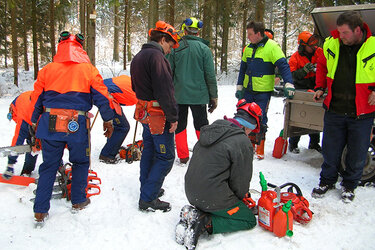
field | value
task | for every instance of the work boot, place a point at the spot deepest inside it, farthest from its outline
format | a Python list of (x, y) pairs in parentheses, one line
[(108, 160), (198, 223), (347, 195), (184, 160), (40, 219), (316, 147), (320, 191), (26, 173), (9, 172), (152, 206), (294, 149), (259, 151), (182, 225), (80, 206)]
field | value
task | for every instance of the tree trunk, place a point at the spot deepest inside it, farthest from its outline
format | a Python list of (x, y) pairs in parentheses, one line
[(244, 23), (82, 18), (52, 27), (153, 13), (24, 35), (207, 21), (169, 12), (91, 24), (126, 20), (13, 24), (285, 26), (5, 35), (216, 13), (224, 40), (259, 11), (116, 33), (35, 39)]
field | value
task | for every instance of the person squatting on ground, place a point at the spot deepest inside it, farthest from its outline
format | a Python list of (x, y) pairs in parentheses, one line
[(303, 66), (194, 82), (256, 79), (120, 89), (64, 92), (347, 72), (20, 111), (156, 109), (218, 177)]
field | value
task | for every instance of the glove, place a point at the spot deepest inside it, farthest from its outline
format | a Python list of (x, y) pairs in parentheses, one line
[(212, 105), (239, 94), (309, 67), (108, 128), (32, 129), (289, 90)]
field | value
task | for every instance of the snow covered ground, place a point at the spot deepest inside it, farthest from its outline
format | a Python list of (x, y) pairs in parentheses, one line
[(113, 221)]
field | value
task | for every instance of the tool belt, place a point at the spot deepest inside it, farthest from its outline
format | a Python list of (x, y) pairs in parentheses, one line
[(63, 120), (150, 112)]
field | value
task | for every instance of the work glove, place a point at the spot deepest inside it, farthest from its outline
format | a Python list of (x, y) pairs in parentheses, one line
[(239, 92), (309, 67), (212, 105), (289, 90), (108, 128)]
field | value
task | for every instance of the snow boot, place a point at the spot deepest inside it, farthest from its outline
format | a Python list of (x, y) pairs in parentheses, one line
[(108, 160), (320, 191), (259, 152), (294, 149), (317, 147), (9, 172), (40, 219), (161, 192), (198, 223), (347, 195), (152, 206), (182, 225), (80, 206)]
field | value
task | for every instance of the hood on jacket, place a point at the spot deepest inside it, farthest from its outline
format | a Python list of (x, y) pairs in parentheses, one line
[(218, 131), (70, 51)]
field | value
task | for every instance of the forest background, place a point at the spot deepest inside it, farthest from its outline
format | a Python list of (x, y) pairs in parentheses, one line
[(116, 29)]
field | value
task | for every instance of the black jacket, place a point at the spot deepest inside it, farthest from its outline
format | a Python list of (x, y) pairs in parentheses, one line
[(151, 77), (221, 167)]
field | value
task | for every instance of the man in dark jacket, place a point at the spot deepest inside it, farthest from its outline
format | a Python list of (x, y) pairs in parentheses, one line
[(194, 81), (218, 177), (157, 111)]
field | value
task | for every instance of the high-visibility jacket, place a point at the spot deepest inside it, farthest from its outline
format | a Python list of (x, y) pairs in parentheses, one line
[(69, 82), (121, 90), (365, 70), (257, 71), (22, 109)]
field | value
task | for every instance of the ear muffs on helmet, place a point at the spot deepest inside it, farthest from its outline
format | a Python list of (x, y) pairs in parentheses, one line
[(65, 35)]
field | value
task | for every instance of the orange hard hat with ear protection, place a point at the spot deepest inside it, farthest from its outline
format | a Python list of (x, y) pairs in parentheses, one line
[(166, 28)]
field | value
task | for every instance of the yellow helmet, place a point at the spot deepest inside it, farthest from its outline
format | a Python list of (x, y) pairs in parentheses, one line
[(192, 25)]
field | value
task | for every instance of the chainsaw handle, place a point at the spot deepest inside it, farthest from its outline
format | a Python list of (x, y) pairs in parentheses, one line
[(290, 189)]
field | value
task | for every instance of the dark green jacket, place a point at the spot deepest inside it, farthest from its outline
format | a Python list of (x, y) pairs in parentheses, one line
[(193, 71), (221, 167)]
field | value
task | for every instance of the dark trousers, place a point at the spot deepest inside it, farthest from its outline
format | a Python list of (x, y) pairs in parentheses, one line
[(340, 131), (121, 128), (157, 160), (260, 98), (314, 140), (199, 113), (52, 154), (20, 135)]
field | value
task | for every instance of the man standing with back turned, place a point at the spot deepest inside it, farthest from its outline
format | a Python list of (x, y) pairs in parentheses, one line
[(194, 81), (347, 71)]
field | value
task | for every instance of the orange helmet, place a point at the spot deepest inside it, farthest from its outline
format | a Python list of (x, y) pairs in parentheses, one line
[(66, 36), (249, 113), (167, 29), (306, 38), (269, 33)]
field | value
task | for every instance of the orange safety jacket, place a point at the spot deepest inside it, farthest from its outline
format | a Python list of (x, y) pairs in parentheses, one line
[(21, 109)]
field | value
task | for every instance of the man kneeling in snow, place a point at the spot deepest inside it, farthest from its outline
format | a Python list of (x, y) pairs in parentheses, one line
[(218, 177)]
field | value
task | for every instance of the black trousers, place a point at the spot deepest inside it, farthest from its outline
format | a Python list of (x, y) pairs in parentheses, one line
[(199, 113)]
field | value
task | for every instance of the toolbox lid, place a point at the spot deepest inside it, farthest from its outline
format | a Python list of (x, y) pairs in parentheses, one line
[(325, 17)]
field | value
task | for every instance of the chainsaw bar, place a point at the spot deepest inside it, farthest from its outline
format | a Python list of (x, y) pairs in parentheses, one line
[(15, 150)]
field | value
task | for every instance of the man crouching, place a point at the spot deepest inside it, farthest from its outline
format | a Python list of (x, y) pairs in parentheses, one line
[(218, 177)]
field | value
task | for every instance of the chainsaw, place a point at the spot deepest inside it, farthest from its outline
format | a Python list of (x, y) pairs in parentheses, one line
[(33, 148)]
